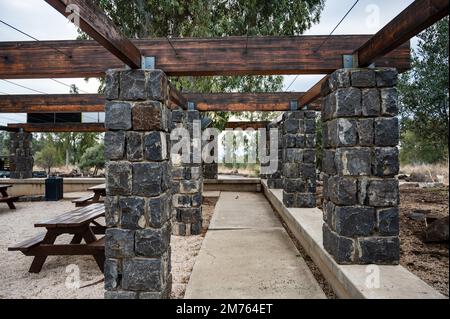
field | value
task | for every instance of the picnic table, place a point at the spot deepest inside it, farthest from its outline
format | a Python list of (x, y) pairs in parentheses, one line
[(5, 198), (81, 223), (98, 192)]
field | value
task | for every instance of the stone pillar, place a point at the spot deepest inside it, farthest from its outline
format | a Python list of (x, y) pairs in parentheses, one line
[(275, 180), (20, 158), (187, 180), (299, 159), (361, 194), (211, 170), (138, 201)]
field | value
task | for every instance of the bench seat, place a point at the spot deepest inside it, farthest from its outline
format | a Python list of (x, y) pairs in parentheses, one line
[(29, 243)]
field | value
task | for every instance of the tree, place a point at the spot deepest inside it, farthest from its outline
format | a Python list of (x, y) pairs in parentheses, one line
[(216, 18), (93, 158), (48, 157), (424, 99)]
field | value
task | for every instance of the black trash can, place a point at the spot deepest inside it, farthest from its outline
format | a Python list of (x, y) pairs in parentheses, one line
[(54, 189)]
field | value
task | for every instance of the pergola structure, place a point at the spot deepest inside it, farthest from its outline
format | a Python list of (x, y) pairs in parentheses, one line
[(360, 130)]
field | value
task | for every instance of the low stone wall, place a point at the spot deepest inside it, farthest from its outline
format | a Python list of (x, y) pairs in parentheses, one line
[(36, 186)]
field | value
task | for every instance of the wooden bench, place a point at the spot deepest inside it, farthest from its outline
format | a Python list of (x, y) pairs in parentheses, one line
[(10, 201), (81, 223), (83, 201)]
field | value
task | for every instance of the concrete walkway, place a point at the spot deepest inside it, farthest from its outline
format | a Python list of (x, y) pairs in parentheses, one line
[(247, 254)]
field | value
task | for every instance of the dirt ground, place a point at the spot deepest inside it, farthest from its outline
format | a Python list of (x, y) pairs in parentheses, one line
[(428, 261), (57, 278)]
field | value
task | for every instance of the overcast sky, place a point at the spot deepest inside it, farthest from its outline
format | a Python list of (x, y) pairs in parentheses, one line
[(40, 20)]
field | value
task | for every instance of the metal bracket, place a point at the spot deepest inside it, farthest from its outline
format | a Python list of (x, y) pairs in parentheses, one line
[(348, 61), (148, 62), (293, 105), (190, 106)]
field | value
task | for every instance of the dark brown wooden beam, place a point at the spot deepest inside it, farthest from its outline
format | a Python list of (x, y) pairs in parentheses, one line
[(417, 17), (97, 25), (60, 127), (246, 125), (212, 102), (410, 22), (196, 56), (310, 97), (8, 129)]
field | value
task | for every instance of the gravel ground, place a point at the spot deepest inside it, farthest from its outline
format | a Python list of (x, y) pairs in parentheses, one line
[(57, 278)]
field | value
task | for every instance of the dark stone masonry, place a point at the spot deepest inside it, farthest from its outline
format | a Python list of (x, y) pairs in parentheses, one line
[(360, 161), (138, 185), (299, 159), (20, 157), (187, 179), (275, 179)]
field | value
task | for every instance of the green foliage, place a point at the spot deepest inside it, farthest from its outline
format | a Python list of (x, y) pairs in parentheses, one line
[(93, 158), (216, 18), (48, 157), (4, 144), (424, 99)]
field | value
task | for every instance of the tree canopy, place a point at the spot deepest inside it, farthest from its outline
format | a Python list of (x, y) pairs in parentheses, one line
[(424, 99)]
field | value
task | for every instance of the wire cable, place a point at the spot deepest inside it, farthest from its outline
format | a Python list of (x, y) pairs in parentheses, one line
[(23, 86)]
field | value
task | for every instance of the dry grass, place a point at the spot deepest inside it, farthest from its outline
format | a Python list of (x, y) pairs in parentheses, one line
[(429, 172)]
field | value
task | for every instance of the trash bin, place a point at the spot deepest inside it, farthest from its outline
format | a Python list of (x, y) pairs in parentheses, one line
[(54, 188)]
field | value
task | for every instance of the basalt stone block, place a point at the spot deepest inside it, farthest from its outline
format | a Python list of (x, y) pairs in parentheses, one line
[(112, 79), (290, 170), (385, 161), (150, 179), (120, 294), (118, 178), (275, 183), (389, 102), (132, 85), (181, 200), (290, 141), (190, 186), (348, 102), (292, 155), (114, 145), (293, 115), (339, 79), (342, 132), (328, 163), (291, 126), (149, 116), (309, 114), (132, 212), (310, 140), (196, 228), (143, 274), (155, 146), (178, 116), (386, 131), (371, 102), (309, 156), (341, 248), (189, 215), (383, 193), (118, 116), (152, 242), (159, 209), (379, 250), (157, 86), (388, 221), (307, 170), (289, 199), (309, 126), (328, 106), (112, 213), (351, 221), (134, 146), (363, 78), (365, 132), (179, 229), (342, 190), (386, 77), (306, 200), (112, 273), (294, 185), (192, 115), (300, 141), (353, 161), (119, 243)]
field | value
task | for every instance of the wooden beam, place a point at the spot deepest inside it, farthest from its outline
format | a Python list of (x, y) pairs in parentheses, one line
[(212, 102), (97, 25), (310, 97), (60, 127), (8, 129), (417, 17), (246, 125), (410, 22), (196, 56), (52, 103)]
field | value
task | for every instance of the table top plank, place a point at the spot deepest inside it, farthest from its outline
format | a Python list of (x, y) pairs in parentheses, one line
[(98, 187), (75, 217), (2, 186)]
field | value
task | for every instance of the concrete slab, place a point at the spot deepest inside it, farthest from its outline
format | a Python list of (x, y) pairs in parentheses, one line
[(251, 264), (348, 281), (213, 194), (247, 254), (243, 210)]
